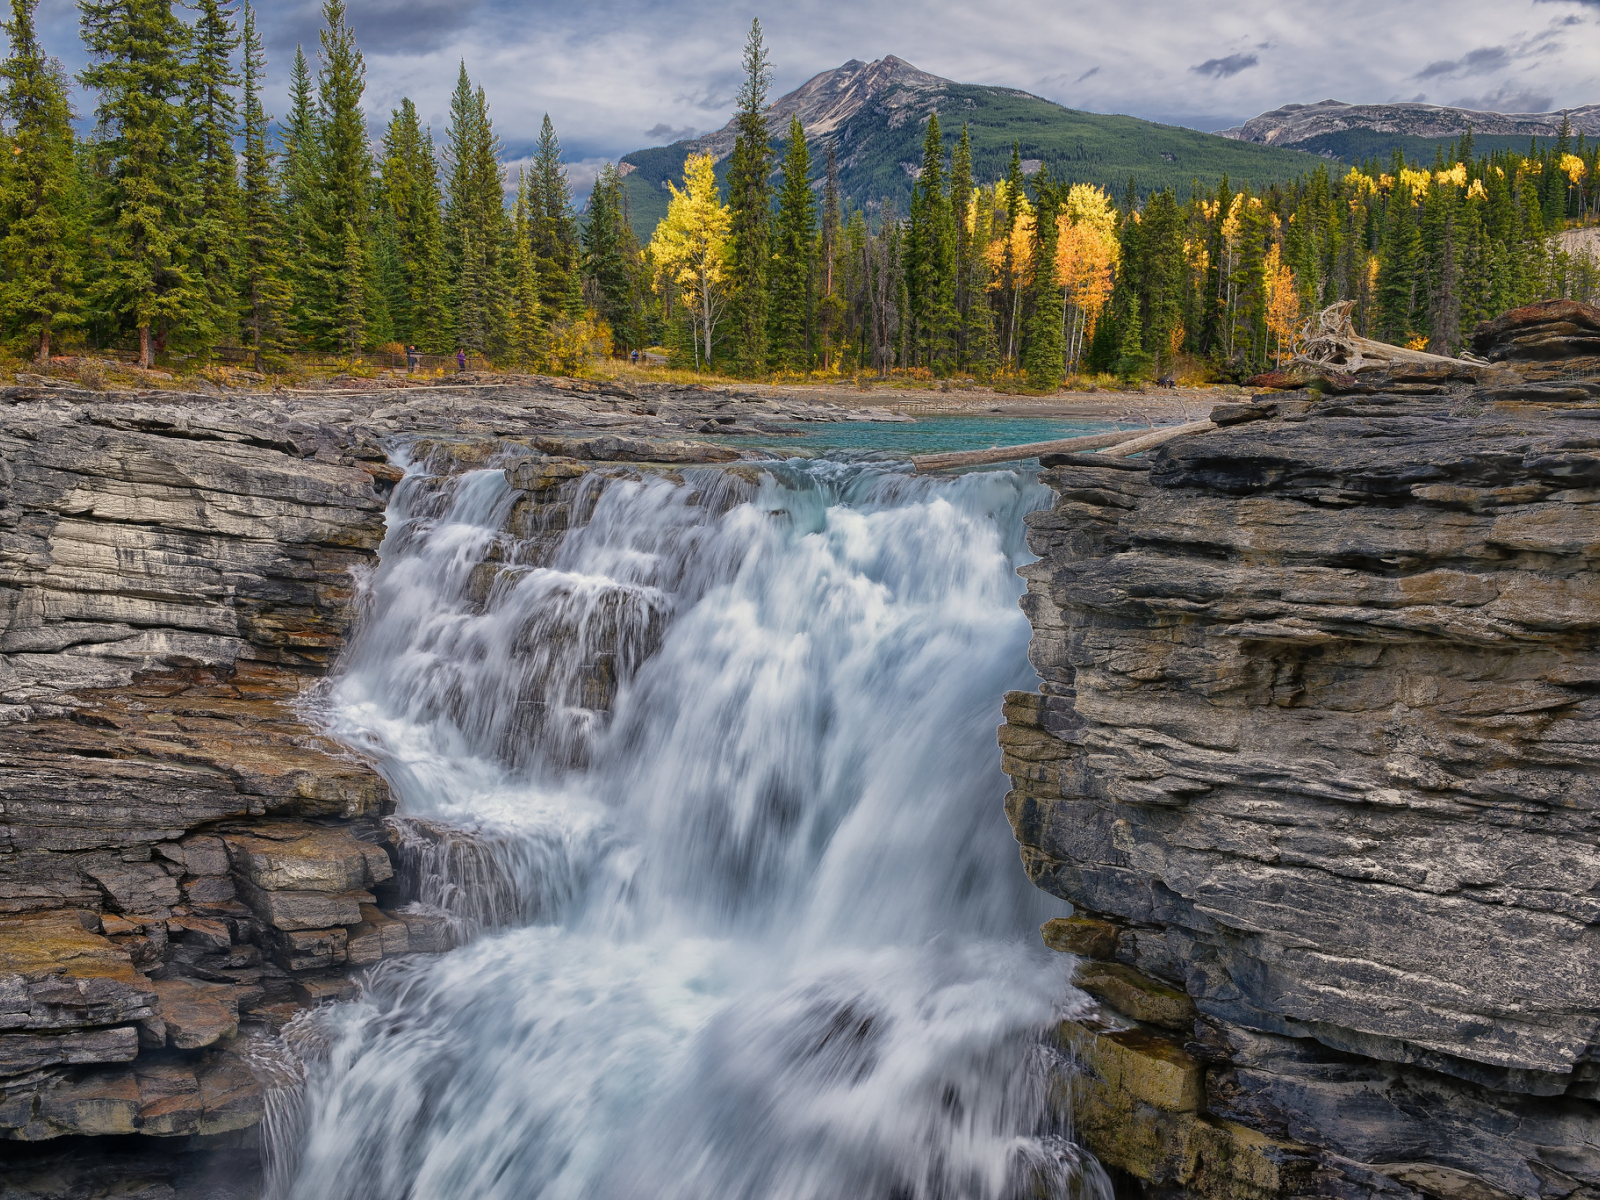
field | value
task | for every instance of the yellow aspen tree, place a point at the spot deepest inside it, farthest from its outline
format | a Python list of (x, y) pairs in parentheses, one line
[(1087, 251), (690, 247)]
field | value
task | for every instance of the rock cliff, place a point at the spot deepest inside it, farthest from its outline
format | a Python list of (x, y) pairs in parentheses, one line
[(1316, 761)]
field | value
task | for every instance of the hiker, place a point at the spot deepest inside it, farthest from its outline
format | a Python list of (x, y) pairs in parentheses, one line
[(636, 358), (411, 359), (461, 360)]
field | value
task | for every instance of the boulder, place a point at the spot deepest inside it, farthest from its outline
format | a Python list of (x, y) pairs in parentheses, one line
[(1550, 329)]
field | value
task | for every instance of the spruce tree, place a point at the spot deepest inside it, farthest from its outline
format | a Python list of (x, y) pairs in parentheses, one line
[(148, 195), (554, 227), (1397, 269), (967, 292), (930, 257), (1010, 268), (475, 222), (264, 284), (409, 194), (40, 265), (750, 209), (610, 255), (1133, 361), (213, 127), (1045, 360), (342, 208), (831, 246), (303, 200), (528, 342), (793, 259)]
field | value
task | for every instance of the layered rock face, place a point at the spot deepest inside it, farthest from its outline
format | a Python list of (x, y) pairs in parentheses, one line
[(185, 863), (1316, 759)]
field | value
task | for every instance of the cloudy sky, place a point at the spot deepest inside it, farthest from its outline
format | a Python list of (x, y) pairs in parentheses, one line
[(617, 75)]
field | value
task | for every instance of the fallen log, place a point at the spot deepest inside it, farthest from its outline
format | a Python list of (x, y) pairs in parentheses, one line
[(1092, 441), (1151, 440)]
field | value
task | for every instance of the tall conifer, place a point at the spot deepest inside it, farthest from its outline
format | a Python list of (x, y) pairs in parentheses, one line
[(213, 121), (793, 258), (554, 227), (40, 192), (342, 210), (1045, 361), (528, 343), (750, 207), (610, 254), (409, 191), (263, 268), (148, 198), (303, 200), (475, 221)]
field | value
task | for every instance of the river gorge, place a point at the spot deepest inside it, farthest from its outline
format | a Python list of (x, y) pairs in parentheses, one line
[(503, 791)]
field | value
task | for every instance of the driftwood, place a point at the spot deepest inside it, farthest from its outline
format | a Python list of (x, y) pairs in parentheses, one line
[(1330, 340), (1120, 442)]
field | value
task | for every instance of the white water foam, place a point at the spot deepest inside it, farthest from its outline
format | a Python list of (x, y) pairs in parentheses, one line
[(759, 935)]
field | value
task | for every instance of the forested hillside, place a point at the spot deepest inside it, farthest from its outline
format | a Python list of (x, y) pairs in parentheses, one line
[(873, 116)]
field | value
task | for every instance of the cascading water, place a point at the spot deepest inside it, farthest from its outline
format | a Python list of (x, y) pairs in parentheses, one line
[(760, 933)]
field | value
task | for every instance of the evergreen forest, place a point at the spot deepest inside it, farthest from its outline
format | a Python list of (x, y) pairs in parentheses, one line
[(188, 221)]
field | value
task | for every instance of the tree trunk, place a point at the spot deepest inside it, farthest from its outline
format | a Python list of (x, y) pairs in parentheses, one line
[(44, 344), (147, 359)]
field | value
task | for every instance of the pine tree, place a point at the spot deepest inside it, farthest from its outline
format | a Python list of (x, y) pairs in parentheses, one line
[(1397, 270), (213, 123), (793, 259), (750, 207), (554, 228), (263, 270), (476, 233), (409, 195), (342, 208), (41, 272), (967, 292), (831, 304), (1133, 362), (610, 261), (302, 200), (930, 257), (528, 341), (148, 195), (1045, 360), (1010, 268)]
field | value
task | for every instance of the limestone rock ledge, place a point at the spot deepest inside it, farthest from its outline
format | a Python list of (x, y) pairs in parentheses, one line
[(1317, 751), (184, 863)]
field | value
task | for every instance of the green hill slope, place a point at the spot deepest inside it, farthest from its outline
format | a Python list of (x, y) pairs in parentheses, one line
[(874, 116)]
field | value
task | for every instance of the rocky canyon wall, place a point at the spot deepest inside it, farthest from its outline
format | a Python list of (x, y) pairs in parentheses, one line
[(1316, 761)]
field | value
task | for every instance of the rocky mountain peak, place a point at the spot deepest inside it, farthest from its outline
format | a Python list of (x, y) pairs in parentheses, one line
[(1296, 123), (826, 102)]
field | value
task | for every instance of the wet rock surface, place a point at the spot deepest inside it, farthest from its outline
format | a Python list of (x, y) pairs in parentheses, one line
[(185, 862), (1318, 746)]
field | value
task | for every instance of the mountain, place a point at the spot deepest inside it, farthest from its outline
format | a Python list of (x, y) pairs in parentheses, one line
[(874, 116), (1356, 131)]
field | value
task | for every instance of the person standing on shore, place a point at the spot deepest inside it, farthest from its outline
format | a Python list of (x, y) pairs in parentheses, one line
[(411, 359), (461, 360)]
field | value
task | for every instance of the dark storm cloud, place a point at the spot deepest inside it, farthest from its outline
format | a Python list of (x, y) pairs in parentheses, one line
[(382, 26), (1224, 67), (662, 132), (1484, 61), (1508, 99)]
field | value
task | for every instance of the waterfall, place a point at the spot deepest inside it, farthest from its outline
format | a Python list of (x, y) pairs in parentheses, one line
[(710, 783)]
